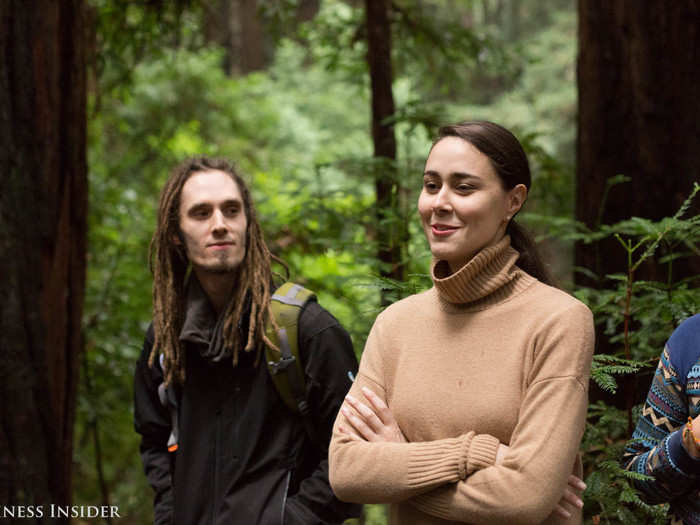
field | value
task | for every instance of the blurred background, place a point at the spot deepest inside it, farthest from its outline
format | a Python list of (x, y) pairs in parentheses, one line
[(600, 94)]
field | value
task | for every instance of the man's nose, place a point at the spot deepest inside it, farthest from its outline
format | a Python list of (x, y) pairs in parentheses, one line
[(218, 222)]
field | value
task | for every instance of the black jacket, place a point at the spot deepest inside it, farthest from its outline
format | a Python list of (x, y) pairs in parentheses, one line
[(244, 457)]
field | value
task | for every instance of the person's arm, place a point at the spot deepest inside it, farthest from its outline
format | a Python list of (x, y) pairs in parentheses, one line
[(526, 487), (330, 365), (374, 422), (657, 449), (370, 472), (152, 421)]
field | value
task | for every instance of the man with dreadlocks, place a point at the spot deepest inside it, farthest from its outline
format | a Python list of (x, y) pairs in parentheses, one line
[(242, 457)]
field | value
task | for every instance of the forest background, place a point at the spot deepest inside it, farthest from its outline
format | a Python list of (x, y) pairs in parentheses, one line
[(328, 109)]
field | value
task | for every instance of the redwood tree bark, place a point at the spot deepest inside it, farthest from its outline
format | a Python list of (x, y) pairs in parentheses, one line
[(43, 234), (638, 79), (385, 181)]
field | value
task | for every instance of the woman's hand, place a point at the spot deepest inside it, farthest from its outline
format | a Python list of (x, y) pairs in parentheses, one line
[(571, 496), (571, 492), (370, 423)]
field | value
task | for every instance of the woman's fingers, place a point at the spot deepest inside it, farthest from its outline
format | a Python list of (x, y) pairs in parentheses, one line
[(374, 422), (572, 498), (366, 413), (358, 424), (561, 511), (576, 483), (379, 406), (352, 435)]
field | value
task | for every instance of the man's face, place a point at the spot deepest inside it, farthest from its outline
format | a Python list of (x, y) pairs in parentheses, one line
[(213, 222)]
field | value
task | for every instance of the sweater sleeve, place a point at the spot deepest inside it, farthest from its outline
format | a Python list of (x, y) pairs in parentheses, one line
[(526, 487), (367, 472), (656, 449)]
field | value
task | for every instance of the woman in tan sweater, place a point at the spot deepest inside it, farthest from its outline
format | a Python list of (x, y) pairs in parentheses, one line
[(471, 398)]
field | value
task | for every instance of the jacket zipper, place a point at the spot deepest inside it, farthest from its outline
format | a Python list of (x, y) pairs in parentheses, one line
[(215, 470), (284, 498)]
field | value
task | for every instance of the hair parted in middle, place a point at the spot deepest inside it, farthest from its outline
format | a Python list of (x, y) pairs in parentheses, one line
[(169, 265)]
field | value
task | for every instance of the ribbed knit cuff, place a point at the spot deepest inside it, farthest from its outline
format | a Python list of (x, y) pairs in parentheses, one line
[(482, 452), (438, 462)]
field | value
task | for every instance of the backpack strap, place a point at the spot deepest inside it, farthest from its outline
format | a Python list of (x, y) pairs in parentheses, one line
[(285, 367)]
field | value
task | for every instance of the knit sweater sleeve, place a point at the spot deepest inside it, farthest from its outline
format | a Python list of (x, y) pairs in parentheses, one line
[(526, 487), (657, 449), (371, 472)]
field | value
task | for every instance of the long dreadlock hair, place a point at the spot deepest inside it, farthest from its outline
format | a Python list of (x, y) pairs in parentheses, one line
[(170, 267)]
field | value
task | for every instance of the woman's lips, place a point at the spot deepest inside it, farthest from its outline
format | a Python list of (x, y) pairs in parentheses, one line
[(443, 230)]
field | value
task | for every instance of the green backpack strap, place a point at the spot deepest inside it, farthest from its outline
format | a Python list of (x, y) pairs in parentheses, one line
[(285, 367)]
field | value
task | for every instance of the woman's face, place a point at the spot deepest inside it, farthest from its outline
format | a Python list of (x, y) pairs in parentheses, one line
[(463, 206)]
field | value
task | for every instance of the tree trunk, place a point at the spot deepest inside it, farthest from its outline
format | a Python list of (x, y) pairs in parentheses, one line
[(43, 210), (236, 25), (388, 209), (638, 81)]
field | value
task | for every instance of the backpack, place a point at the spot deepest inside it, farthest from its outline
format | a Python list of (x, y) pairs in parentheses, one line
[(285, 367)]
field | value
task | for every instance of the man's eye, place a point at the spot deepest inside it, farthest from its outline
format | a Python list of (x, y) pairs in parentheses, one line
[(200, 214), (231, 211), (465, 188), (430, 186)]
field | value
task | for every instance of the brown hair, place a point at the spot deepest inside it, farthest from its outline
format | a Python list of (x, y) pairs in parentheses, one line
[(169, 265), (510, 163)]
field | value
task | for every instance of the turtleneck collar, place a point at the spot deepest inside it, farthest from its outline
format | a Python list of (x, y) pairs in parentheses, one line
[(491, 276)]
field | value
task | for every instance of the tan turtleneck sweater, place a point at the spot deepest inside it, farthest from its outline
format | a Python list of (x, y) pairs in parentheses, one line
[(488, 355)]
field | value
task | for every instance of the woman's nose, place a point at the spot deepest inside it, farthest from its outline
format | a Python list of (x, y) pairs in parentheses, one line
[(442, 202)]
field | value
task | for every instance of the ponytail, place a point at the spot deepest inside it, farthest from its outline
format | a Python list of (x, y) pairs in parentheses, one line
[(530, 259)]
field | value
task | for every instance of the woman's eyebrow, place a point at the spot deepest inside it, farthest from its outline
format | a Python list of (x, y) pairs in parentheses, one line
[(454, 174), (462, 175)]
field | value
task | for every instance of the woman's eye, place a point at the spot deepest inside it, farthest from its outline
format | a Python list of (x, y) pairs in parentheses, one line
[(465, 188), (429, 185), (231, 211)]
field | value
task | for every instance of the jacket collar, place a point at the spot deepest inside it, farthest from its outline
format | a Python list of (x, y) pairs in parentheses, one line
[(203, 327)]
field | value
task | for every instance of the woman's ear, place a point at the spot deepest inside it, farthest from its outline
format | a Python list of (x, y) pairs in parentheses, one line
[(516, 198)]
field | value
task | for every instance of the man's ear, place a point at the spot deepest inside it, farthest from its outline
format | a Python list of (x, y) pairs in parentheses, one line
[(516, 198)]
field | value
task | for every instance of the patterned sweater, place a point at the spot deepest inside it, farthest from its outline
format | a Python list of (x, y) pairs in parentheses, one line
[(673, 396), (488, 355)]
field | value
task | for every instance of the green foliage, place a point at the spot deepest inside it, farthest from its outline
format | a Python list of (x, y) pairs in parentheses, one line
[(637, 316), (605, 367)]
